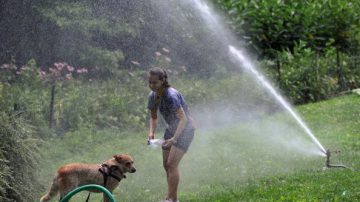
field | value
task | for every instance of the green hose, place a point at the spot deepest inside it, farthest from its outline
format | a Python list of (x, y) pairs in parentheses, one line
[(87, 187)]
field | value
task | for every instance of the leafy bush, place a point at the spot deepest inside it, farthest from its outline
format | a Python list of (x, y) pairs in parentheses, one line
[(19, 155), (304, 76), (313, 43), (309, 76), (273, 25)]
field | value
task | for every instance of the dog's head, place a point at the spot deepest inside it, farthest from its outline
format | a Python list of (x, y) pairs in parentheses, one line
[(125, 163)]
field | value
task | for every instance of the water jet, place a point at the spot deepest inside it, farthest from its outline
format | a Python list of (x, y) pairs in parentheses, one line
[(243, 61)]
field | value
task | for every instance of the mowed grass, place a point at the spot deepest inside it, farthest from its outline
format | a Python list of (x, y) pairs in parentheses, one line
[(233, 163)]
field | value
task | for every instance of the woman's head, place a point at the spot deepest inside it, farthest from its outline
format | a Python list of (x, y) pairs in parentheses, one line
[(157, 79)]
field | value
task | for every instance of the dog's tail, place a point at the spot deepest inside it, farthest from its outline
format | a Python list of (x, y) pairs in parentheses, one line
[(54, 189)]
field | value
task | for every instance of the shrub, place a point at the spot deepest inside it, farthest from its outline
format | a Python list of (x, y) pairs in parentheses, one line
[(308, 76), (19, 156)]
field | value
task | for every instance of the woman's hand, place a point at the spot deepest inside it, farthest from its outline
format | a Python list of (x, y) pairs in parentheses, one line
[(150, 137), (168, 143)]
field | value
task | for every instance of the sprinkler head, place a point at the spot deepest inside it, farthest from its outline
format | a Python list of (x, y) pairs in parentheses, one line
[(327, 162), (328, 154)]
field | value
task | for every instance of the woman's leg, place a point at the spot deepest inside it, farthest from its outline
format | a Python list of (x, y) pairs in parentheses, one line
[(165, 158), (171, 160)]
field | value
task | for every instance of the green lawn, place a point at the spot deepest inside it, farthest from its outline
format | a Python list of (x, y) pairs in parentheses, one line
[(263, 160)]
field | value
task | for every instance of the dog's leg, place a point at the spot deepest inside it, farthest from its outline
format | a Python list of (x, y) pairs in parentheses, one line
[(67, 184), (54, 189), (65, 190)]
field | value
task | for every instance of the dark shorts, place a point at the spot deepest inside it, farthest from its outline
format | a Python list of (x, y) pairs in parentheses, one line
[(184, 139)]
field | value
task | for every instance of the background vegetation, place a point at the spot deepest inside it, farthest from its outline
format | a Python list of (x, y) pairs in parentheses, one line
[(77, 67), (313, 46)]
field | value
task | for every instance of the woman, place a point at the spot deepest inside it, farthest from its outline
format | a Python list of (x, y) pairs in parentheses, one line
[(179, 131)]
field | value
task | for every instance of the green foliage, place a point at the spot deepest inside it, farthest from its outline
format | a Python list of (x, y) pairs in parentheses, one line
[(19, 155), (300, 37), (313, 44), (277, 24), (307, 77), (101, 57), (21, 125), (79, 27), (20, 89)]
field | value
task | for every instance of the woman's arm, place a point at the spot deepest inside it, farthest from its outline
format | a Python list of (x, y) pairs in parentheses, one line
[(152, 123)]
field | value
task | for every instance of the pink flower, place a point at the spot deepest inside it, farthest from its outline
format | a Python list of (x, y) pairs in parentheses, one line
[(4, 66), (42, 74), (8, 66), (70, 68), (135, 63), (168, 59), (59, 65), (82, 70), (157, 54), (166, 50)]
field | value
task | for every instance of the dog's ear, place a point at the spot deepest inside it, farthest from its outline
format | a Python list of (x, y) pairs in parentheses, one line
[(118, 158)]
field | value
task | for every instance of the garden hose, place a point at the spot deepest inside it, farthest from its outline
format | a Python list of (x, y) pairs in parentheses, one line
[(87, 187)]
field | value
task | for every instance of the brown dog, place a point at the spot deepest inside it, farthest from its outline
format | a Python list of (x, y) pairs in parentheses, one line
[(108, 174)]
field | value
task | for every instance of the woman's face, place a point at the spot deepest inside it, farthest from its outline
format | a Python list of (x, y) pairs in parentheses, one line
[(154, 83)]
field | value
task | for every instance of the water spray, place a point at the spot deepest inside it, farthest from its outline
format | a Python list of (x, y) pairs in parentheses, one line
[(154, 143), (245, 63), (328, 164)]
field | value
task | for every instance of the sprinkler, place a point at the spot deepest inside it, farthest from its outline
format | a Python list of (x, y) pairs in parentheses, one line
[(327, 163)]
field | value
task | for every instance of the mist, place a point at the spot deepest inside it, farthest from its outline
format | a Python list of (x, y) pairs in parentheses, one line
[(243, 134)]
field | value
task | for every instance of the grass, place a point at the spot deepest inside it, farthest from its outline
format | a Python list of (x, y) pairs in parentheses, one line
[(263, 160)]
